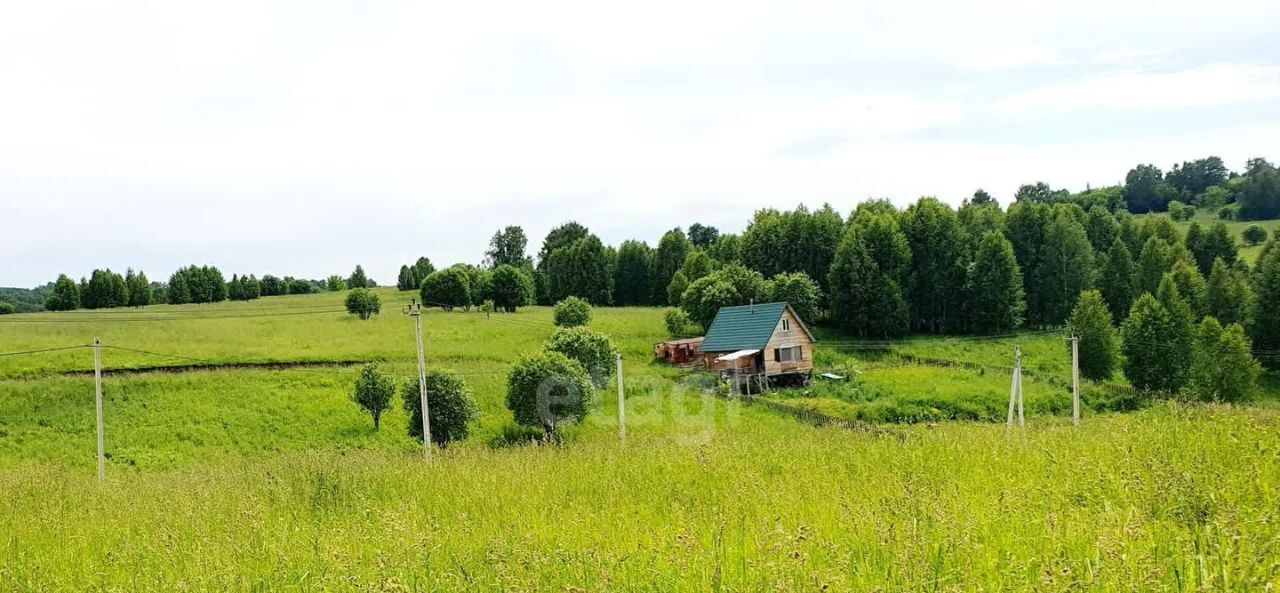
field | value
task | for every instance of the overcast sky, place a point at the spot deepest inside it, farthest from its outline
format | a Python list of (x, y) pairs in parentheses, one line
[(304, 138)]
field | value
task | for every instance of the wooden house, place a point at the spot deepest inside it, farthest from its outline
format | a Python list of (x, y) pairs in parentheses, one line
[(765, 343), (682, 351)]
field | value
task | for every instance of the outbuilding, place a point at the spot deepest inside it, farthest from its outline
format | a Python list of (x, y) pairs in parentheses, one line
[(765, 343)]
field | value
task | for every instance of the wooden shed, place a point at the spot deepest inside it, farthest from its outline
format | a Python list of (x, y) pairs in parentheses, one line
[(681, 351), (765, 342)]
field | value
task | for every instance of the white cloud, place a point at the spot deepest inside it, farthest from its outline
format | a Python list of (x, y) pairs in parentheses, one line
[(1217, 84)]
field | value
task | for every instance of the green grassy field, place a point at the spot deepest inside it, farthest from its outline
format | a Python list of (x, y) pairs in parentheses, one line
[(271, 480), (1206, 219)]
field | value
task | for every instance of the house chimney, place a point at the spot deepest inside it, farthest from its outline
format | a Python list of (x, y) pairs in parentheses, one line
[(752, 310)]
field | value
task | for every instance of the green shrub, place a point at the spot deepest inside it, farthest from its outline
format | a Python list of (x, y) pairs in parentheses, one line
[(572, 311), (1091, 323), (510, 287), (1229, 212), (364, 303), (548, 390), (592, 349), (447, 288), (1254, 234), (1178, 211), (678, 323), (450, 407), (373, 391), (7, 308), (798, 290)]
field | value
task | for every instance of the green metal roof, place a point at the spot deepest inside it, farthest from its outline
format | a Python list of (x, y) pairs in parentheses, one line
[(743, 327)]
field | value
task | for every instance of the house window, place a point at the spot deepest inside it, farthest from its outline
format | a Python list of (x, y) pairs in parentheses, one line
[(786, 324), (788, 354)]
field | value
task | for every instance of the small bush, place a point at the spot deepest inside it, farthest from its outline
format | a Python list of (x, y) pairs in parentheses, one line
[(548, 390), (335, 283), (1254, 234), (373, 392), (678, 323), (572, 311), (450, 407), (363, 303), (7, 308), (1230, 212), (592, 349), (1178, 211)]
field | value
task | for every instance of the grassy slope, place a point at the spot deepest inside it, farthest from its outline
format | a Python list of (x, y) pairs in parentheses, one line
[(271, 480), (1207, 219)]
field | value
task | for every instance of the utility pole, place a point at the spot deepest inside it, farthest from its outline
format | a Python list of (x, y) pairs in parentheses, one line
[(622, 409), (414, 310), (1015, 388), (97, 387), (1075, 380)]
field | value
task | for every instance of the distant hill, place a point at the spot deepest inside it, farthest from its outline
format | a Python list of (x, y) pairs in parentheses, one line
[(26, 300)]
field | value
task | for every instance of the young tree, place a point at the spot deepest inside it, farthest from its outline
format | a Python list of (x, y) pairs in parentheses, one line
[(250, 287), (731, 285), (633, 274), (1101, 227), (336, 283), (1217, 243), (363, 303), (233, 289), (560, 237), (696, 265), (447, 288), (1066, 267), (511, 288), (591, 349), (583, 269), (677, 322), (572, 312), (1266, 303), (406, 279), (1146, 362), (65, 295), (7, 308), (421, 269), (507, 247), (1156, 259), (450, 408), (1116, 280), (798, 290), (675, 290), (373, 391), (1227, 294), (272, 286), (1180, 334), (995, 298), (1223, 367), (1191, 286), (1091, 323), (1026, 222), (357, 280), (672, 250), (179, 290), (548, 390)]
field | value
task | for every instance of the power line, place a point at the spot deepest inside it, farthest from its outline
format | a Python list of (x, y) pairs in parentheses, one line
[(44, 350)]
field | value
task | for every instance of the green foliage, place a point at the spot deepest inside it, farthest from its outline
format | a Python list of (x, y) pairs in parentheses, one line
[(1253, 235), (65, 295), (1102, 228), (1179, 211), (1227, 294), (1116, 279), (982, 198), (995, 299), (105, 290), (1192, 178), (334, 283), (632, 274), (299, 286), (363, 303), (447, 288), (672, 251), (798, 290), (1026, 222), (583, 269), (591, 349), (1065, 268), (1148, 364), (197, 284), (373, 391), (572, 312), (731, 285), (561, 237), (138, 288), (727, 249), (796, 241), (1191, 286), (696, 265), (357, 280), (1145, 189), (1217, 243), (1259, 194), (1265, 326), (507, 247), (703, 236), (864, 299), (675, 290), (939, 260), (1223, 367), (677, 322), (451, 409), (1091, 322), (7, 308), (1212, 198), (548, 390), (1229, 212), (511, 288), (272, 286), (407, 279), (1156, 259), (1040, 192)]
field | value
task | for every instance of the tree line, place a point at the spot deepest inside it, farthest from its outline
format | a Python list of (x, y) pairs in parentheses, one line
[(104, 289)]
